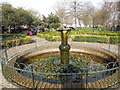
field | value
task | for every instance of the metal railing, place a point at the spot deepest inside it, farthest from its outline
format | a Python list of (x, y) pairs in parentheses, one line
[(29, 78)]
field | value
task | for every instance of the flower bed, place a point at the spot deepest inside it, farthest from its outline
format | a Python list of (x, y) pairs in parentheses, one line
[(111, 39), (11, 43), (102, 37), (50, 36), (115, 40), (90, 39), (13, 35), (97, 33)]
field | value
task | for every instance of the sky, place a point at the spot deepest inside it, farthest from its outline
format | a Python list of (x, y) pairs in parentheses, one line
[(44, 7)]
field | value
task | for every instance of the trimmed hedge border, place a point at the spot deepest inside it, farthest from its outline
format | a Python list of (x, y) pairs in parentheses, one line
[(111, 40), (115, 40), (11, 43), (96, 33), (13, 35)]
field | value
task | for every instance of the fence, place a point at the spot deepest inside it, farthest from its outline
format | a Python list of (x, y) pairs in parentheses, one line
[(30, 78)]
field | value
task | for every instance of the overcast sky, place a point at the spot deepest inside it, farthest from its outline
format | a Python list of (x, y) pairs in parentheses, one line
[(42, 6)]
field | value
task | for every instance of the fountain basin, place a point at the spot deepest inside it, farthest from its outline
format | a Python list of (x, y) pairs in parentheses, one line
[(19, 62)]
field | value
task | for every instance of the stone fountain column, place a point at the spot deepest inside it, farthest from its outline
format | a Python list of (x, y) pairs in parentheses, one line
[(64, 47)]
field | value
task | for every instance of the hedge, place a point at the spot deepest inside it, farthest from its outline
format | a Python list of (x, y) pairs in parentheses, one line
[(111, 40), (11, 43), (115, 40), (53, 38), (97, 33), (13, 35), (90, 39), (103, 38), (53, 33), (50, 37)]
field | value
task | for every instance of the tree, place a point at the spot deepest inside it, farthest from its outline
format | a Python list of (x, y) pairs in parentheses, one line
[(118, 18), (63, 13), (7, 15), (86, 19), (24, 17), (44, 24), (15, 17), (109, 14), (86, 13), (53, 21), (72, 11)]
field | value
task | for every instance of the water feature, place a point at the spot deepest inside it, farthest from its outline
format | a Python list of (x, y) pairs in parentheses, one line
[(66, 65)]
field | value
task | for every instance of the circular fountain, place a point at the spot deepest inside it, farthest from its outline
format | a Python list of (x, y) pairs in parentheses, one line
[(75, 66)]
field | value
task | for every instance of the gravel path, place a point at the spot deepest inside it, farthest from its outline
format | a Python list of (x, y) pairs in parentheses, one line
[(42, 41)]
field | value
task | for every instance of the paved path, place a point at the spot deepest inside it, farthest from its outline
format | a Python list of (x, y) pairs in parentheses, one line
[(12, 51), (42, 42)]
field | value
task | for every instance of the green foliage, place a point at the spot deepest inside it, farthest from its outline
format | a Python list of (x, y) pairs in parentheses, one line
[(7, 14), (89, 31), (7, 44), (11, 43), (115, 39), (54, 25), (52, 33), (13, 35), (100, 37), (53, 21), (18, 16), (26, 40), (18, 42), (52, 38), (35, 23), (40, 35), (49, 38), (13, 16), (112, 40), (90, 39)]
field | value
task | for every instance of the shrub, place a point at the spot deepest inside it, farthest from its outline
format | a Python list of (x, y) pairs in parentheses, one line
[(40, 35), (23, 36), (103, 33), (53, 38), (90, 39), (13, 35), (26, 40), (115, 39), (113, 34), (18, 41), (56, 38), (7, 43), (11, 43), (49, 38)]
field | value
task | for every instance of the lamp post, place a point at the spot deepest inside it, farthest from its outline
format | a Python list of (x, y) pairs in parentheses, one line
[(64, 47)]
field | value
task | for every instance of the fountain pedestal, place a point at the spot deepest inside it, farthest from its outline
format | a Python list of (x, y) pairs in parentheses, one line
[(64, 47)]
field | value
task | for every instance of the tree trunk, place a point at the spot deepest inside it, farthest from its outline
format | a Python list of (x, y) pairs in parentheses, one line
[(93, 24), (79, 23)]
